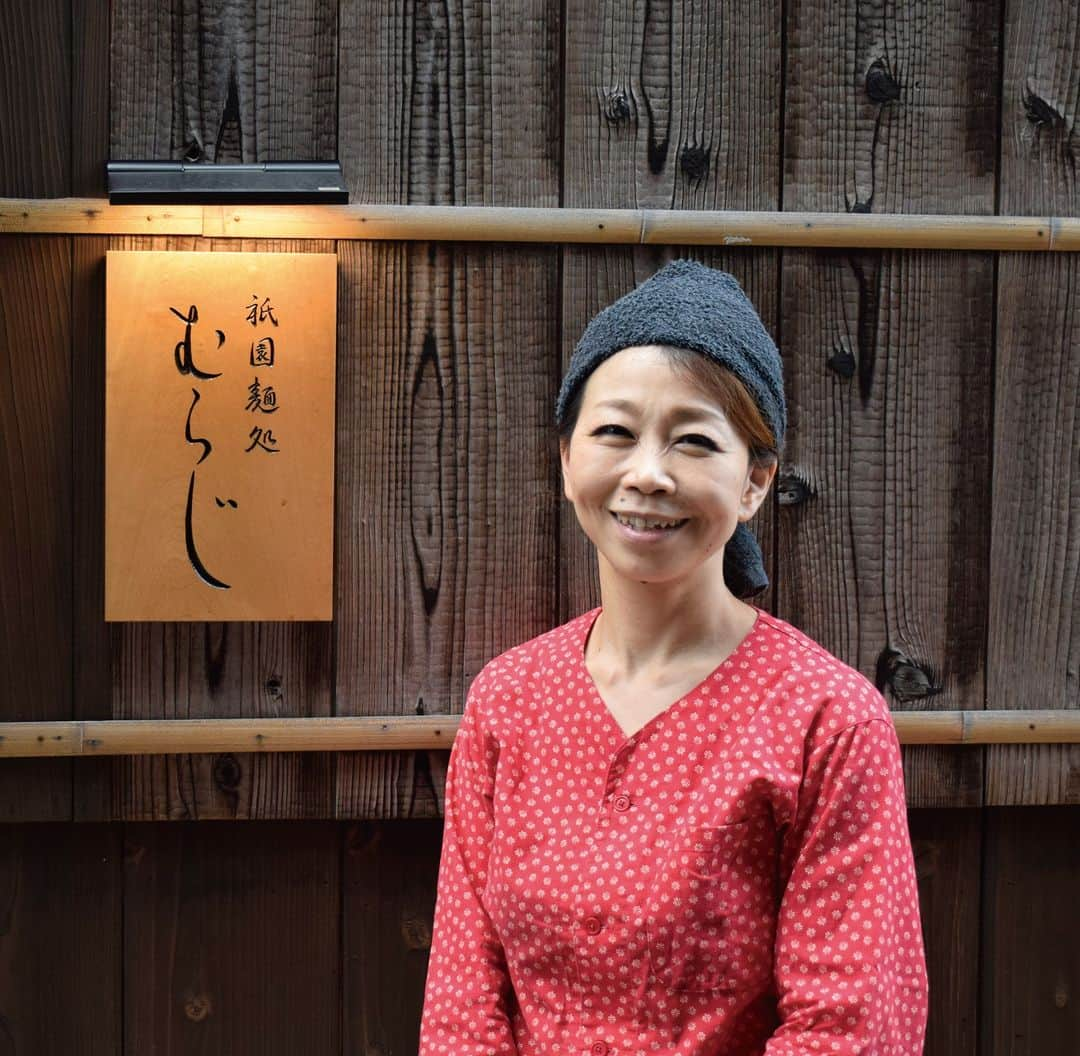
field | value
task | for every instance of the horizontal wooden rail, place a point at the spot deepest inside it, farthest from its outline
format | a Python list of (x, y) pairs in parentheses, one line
[(170, 736), (94, 216)]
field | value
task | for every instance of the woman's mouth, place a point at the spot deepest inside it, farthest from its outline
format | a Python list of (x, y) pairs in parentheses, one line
[(648, 524)]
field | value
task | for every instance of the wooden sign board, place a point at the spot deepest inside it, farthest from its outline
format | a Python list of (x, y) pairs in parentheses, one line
[(219, 436)]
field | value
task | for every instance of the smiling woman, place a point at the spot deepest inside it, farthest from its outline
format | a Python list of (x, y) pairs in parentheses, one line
[(675, 824)]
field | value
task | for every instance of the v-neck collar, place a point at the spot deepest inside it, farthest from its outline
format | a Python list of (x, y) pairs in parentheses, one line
[(588, 620)]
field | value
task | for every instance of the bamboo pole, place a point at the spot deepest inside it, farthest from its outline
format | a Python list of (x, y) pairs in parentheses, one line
[(171, 736), (88, 216)]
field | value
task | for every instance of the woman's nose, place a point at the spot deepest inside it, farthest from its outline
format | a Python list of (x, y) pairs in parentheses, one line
[(646, 470)]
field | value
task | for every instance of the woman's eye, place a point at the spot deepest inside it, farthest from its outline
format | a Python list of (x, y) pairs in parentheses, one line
[(610, 430), (698, 440)]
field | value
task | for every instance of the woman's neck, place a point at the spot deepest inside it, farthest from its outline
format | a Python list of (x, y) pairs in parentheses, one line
[(649, 625)]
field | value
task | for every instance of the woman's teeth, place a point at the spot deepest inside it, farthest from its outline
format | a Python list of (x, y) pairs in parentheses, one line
[(645, 523)]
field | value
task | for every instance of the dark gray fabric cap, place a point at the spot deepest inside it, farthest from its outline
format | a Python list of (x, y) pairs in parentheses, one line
[(688, 305)]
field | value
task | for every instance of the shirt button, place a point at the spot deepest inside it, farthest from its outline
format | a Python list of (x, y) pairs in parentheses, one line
[(621, 803), (593, 926), (599, 1048)]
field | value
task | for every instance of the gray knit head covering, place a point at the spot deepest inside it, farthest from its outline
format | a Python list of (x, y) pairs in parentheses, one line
[(687, 305)]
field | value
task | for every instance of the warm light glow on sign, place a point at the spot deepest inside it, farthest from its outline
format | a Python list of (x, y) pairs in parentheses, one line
[(219, 436)]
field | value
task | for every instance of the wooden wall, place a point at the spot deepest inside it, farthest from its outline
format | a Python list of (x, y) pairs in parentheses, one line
[(925, 528)]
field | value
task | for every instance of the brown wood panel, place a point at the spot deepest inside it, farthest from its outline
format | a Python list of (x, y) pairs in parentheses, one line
[(35, 85), (221, 670), (446, 499), (224, 80), (883, 541), (450, 103), (1031, 932), (672, 105), (1034, 646), (232, 939), (91, 671), (35, 537), (60, 951), (593, 277), (665, 107), (947, 846), (891, 107), (389, 875), (90, 97)]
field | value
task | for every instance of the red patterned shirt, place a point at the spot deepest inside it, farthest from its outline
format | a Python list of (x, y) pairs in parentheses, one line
[(736, 878)]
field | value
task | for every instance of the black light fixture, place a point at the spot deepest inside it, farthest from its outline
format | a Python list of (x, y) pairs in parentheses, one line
[(270, 183)]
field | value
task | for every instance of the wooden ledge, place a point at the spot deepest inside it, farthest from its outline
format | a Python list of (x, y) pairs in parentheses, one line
[(94, 216), (172, 736)]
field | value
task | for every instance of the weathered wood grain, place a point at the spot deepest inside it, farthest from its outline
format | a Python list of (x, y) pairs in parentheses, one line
[(35, 500), (389, 873), (672, 106), (90, 97), (91, 642), (947, 845), (224, 80), (883, 537), (665, 108), (221, 670), (450, 103), (232, 939), (446, 511), (60, 949), (1034, 639), (35, 86), (1030, 952), (592, 279)]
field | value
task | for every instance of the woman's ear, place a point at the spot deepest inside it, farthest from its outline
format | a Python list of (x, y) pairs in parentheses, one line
[(564, 461), (759, 479)]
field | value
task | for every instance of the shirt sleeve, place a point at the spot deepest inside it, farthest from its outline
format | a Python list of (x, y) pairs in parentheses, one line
[(850, 971), (468, 989)]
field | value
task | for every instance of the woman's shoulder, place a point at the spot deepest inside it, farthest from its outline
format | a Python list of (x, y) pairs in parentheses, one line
[(530, 665), (839, 695)]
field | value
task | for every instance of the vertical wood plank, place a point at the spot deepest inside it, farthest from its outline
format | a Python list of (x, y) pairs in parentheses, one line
[(446, 502), (91, 645), (665, 107), (89, 98), (60, 967), (389, 876), (672, 105), (1034, 650), (1031, 932), (450, 103), (35, 492), (224, 80), (883, 543), (232, 939), (222, 670), (35, 85), (947, 845)]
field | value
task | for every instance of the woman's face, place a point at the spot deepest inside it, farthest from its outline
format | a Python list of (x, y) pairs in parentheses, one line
[(658, 477)]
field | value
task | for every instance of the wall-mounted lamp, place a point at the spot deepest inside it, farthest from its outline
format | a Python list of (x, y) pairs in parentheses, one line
[(271, 183)]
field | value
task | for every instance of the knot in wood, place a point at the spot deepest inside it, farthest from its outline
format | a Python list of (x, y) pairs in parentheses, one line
[(227, 772), (792, 487), (694, 161), (907, 678), (881, 86), (273, 687), (1039, 112), (416, 932), (197, 1007), (842, 362), (617, 107), (194, 151)]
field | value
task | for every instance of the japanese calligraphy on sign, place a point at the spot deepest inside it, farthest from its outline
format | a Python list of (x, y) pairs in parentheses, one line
[(219, 435)]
